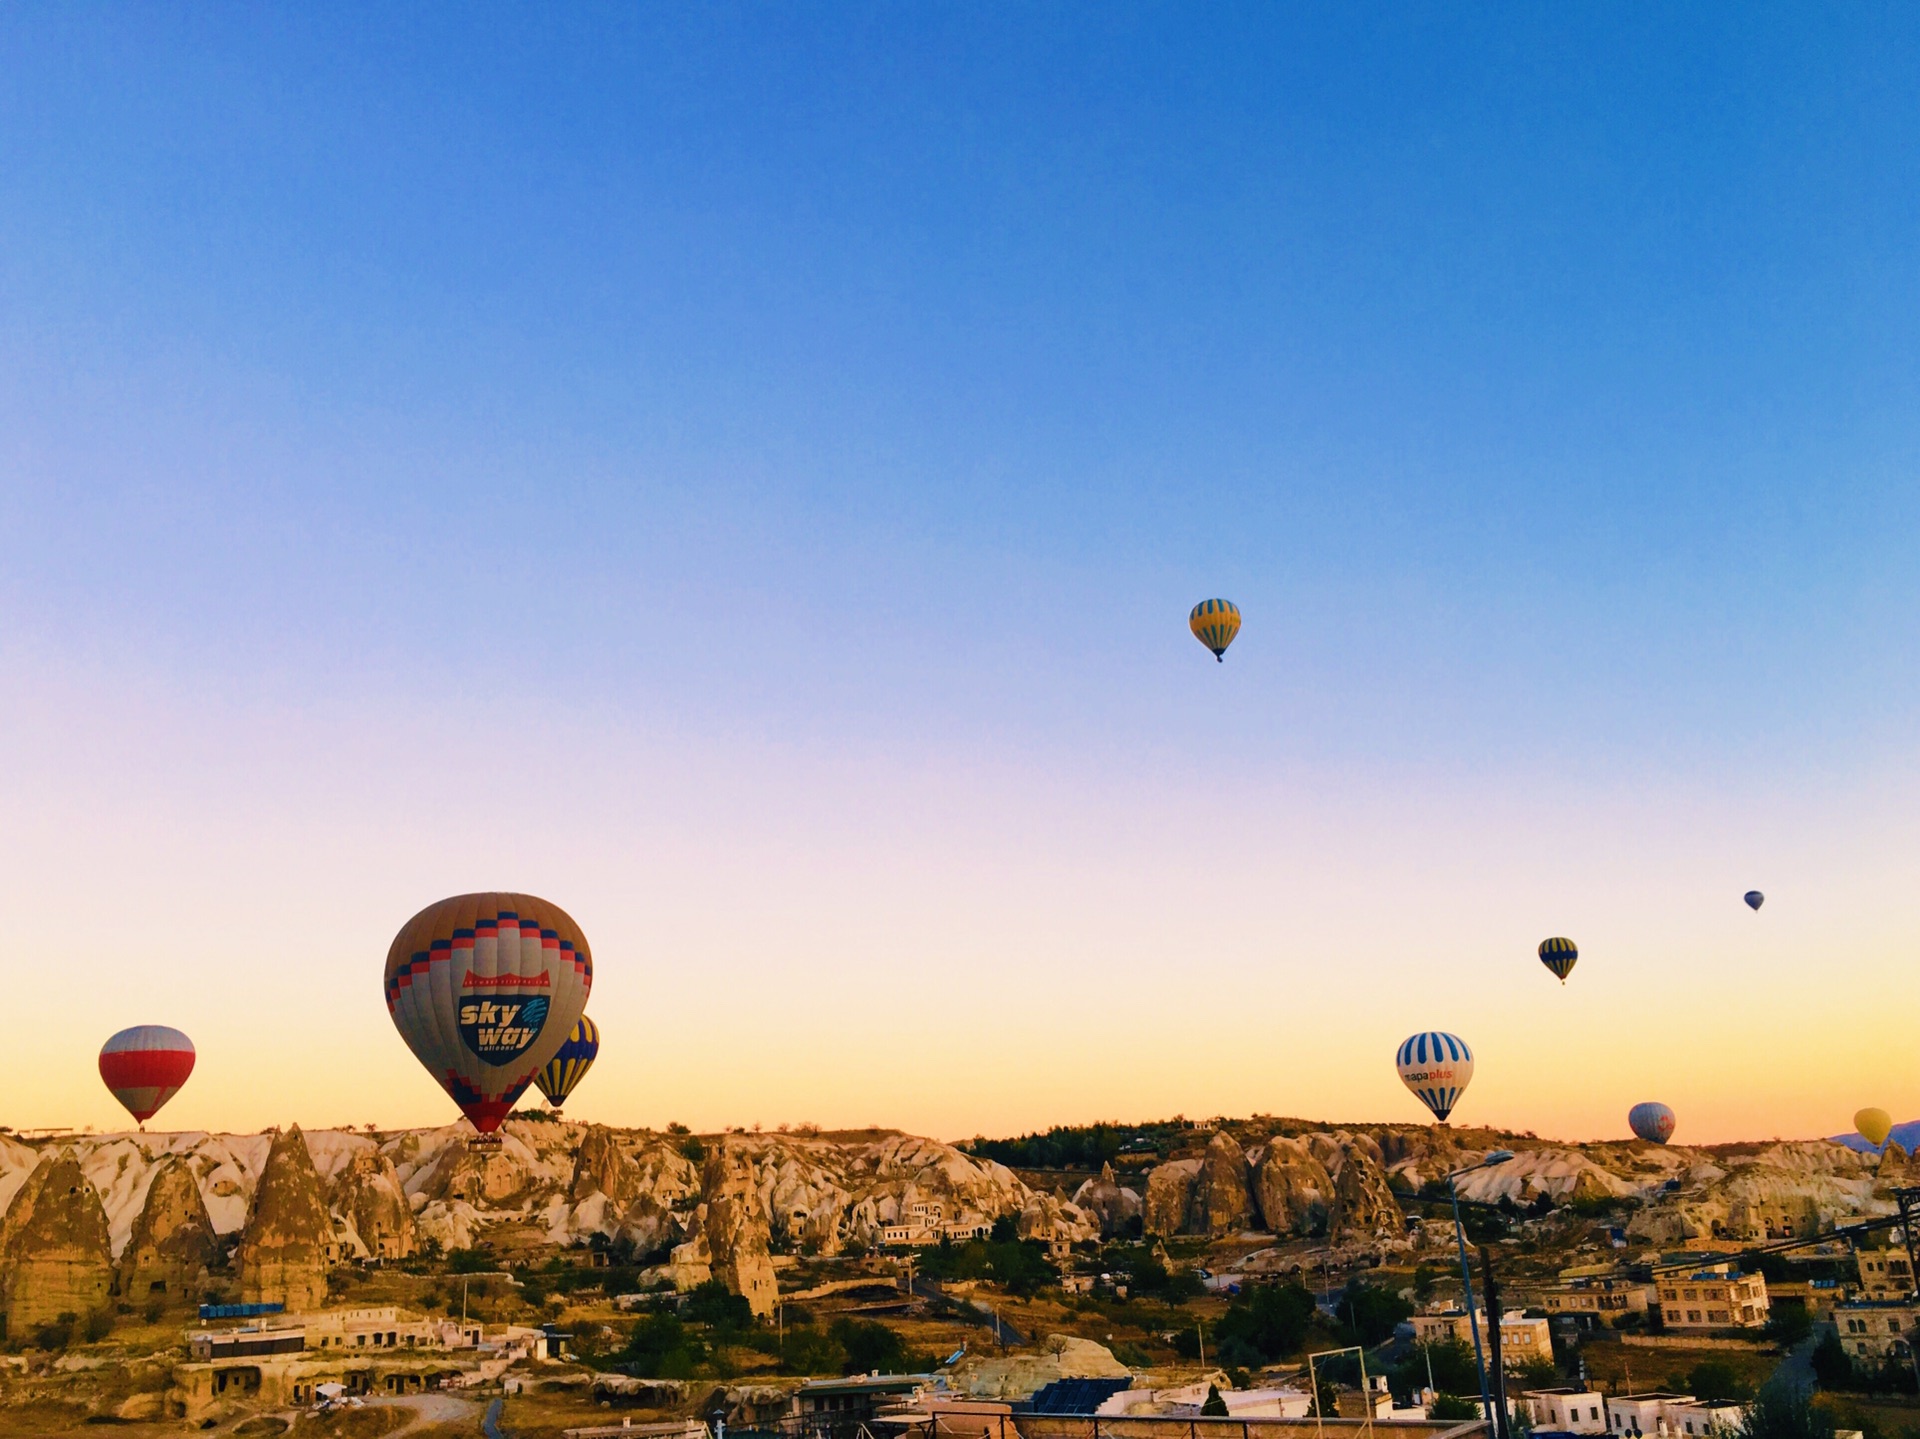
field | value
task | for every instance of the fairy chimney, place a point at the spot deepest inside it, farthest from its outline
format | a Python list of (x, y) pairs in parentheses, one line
[(283, 1249), (173, 1243), (58, 1259)]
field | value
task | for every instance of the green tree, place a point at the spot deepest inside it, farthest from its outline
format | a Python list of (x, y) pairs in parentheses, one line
[(713, 1304), (661, 1347), (807, 1351), (1831, 1366), (869, 1346), (1449, 1406), (1215, 1406), (1789, 1324), (1717, 1379), (1272, 1318), (1452, 1368), (1371, 1311), (1785, 1410)]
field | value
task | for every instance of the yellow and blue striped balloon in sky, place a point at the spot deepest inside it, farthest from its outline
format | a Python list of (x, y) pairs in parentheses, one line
[(1559, 955), (1214, 623), (570, 1065)]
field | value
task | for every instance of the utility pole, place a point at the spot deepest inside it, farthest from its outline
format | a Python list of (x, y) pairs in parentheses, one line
[(1490, 1286)]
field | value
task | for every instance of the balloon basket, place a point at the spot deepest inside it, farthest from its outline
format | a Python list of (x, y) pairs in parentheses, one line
[(486, 1141)]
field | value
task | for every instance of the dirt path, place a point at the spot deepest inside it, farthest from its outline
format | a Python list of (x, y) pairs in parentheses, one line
[(431, 1409)]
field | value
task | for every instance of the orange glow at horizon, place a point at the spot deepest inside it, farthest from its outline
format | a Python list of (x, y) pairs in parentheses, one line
[(848, 939)]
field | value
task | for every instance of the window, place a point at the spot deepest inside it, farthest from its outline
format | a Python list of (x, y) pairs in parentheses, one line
[(1693, 1316)]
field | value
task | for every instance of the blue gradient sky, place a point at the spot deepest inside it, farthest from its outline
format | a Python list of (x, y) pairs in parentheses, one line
[(742, 472)]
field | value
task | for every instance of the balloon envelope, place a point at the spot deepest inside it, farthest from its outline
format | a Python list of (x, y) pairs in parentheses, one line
[(570, 1065), (1652, 1121), (1754, 898), (1874, 1126), (145, 1067), (1559, 955), (485, 989), (1214, 623), (1436, 1067)]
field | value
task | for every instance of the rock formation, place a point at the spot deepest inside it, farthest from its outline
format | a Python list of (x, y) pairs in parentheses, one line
[(283, 1248), (602, 1167), (1169, 1193), (368, 1196), (1113, 1208), (54, 1246), (173, 1244), (1293, 1188), (1017, 1376), (1209, 1195), (1054, 1221), (1222, 1201), (1363, 1209), (735, 1230)]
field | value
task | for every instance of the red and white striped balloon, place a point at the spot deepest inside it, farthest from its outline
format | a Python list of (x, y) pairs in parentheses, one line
[(145, 1067)]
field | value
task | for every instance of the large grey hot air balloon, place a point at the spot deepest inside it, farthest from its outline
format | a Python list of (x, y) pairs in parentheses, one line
[(1652, 1121), (485, 988)]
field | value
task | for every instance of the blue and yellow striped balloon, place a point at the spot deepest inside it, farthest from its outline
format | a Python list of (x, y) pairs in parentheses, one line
[(1436, 1066), (1559, 955), (1214, 623), (570, 1065)]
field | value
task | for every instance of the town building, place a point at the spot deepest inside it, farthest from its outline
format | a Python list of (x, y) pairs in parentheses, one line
[(1884, 1273), (1522, 1339), (1568, 1410), (1668, 1415), (1872, 1330), (283, 1360), (924, 1223), (824, 1405), (1717, 1297), (1593, 1297)]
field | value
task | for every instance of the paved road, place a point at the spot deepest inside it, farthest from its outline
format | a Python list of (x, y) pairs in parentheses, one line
[(1797, 1364)]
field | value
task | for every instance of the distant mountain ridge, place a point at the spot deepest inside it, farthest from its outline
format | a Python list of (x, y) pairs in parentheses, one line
[(1905, 1135)]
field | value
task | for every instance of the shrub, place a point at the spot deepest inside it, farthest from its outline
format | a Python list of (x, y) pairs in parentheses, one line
[(99, 1325), (1448, 1406)]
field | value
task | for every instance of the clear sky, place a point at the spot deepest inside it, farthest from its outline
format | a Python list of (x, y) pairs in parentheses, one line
[(742, 472)]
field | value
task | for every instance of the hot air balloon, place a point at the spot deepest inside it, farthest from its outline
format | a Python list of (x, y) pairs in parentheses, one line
[(1874, 1126), (570, 1065), (1214, 623), (1559, 956), (1652, 1121), (1436, 1067), (485, 989), (1754, 899), (145, 1067)]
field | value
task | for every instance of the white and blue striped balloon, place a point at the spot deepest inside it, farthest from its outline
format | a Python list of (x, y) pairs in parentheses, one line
[(1436, 1067)]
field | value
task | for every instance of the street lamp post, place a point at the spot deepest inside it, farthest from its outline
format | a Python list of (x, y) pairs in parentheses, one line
[(1499, 1156)]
